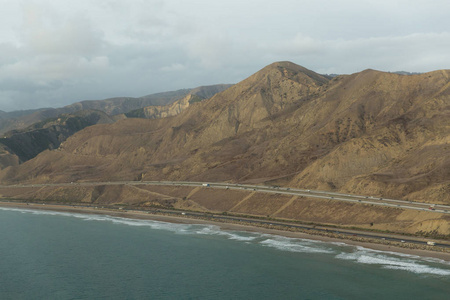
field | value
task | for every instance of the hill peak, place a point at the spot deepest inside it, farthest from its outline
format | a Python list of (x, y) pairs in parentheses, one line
[(287, 65), (290, 70)]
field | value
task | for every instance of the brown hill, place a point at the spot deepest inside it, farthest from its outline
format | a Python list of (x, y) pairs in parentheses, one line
[(371, 133)]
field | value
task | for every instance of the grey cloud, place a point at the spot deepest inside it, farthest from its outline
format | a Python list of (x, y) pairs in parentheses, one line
[(28, 86), (49, 68), (389, 53), (9, 54), (74, 36), (58, 52)]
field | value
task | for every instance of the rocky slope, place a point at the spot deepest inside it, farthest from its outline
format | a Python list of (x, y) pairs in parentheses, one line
[(175, 108), (370, 133), (21, 145)]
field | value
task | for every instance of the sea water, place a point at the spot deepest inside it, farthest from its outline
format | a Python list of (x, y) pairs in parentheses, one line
[(56, 255)]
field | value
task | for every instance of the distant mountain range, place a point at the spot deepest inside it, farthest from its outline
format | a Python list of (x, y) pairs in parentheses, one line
[(113, 106)]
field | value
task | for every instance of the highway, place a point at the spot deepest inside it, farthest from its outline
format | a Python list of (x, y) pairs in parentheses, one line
[(403, 204), (282, 191)]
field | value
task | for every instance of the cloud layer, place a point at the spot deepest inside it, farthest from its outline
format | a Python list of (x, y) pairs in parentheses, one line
[(58, 52)]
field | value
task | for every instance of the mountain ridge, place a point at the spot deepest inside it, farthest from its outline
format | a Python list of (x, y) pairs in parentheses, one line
[(285, 122), (111, 106)]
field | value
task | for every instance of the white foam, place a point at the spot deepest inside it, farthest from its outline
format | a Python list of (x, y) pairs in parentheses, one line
[(394, 261), (10, 209), (296, 245), (36, 212), (102, 218), (172, 227), (238, 236), (417, 257)]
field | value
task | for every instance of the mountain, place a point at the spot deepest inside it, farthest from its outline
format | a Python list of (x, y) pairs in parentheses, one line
[(18, 146), (173, 109), (371, 130), (22, 145), (18, 113), (191, 138), (13, 120), (112, 106), (371, 133), (169, 110)]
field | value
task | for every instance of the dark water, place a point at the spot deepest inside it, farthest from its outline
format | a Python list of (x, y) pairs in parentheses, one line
[(50, 255)]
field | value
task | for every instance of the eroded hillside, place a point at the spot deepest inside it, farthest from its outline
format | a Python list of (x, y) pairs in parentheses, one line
[(21, 145), (370, 133)]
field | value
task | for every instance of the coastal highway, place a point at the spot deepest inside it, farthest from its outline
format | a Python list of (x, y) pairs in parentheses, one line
[(403, 204)]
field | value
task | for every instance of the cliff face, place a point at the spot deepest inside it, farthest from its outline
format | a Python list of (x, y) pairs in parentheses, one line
[(175, 108), (370, 133)]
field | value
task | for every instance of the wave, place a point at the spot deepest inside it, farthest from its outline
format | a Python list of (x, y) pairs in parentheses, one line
[(428, 259), (232, 235), (395, 261), (296, 245), (36, 212)]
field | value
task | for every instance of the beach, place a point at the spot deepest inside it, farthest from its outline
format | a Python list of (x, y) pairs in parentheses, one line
[(182, 219)]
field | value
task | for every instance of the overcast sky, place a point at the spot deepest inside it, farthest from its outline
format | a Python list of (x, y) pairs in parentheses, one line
[(56, 52)]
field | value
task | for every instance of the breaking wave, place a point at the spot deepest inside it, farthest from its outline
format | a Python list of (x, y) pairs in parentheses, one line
[(296, 245), (232, 235), (396, 261)]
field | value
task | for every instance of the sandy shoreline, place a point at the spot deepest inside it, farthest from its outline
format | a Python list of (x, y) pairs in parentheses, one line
[(226, 226)]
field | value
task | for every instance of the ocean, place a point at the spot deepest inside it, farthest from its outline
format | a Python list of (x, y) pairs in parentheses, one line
[(57, 255)]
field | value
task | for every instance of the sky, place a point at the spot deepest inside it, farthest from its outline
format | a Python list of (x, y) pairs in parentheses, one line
[(54, 53)]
